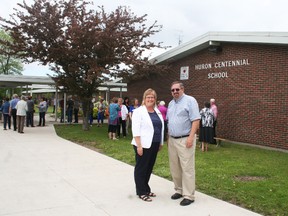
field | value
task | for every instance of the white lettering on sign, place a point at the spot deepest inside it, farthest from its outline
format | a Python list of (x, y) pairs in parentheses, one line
[(203, 66), (221, 64), (218, 75), (234, 63)]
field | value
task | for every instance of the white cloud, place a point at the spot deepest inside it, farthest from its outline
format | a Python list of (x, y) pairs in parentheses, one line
[(187, 19), (35, 69)]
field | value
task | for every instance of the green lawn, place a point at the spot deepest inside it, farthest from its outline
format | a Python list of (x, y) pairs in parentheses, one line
[(250, 177)]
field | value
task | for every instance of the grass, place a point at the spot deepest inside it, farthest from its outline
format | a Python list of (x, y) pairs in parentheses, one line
[(250, 177)]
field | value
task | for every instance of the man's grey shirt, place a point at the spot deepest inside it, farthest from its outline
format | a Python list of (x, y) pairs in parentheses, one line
[(30, 105), (181, 113)]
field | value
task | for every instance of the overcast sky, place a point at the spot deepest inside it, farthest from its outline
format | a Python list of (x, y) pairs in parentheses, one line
[(184, 20)]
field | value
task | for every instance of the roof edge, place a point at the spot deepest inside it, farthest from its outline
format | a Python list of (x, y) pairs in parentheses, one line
[(203, 41)]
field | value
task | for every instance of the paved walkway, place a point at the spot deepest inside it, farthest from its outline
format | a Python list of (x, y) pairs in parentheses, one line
[(42, 174)]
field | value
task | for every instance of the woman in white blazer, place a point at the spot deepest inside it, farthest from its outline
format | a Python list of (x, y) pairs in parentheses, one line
[(148, 135)]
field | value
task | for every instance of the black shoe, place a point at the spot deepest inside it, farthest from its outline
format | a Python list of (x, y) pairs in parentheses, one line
[(176, 196), (186, 202)]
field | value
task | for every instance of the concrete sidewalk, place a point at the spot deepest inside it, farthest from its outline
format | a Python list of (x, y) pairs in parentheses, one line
[(42, 174)]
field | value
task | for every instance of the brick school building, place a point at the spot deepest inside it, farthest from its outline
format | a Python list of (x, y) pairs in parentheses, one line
[(247, 74)]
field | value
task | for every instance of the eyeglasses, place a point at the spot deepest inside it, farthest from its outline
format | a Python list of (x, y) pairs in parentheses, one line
[(150, 97), (173, 90)]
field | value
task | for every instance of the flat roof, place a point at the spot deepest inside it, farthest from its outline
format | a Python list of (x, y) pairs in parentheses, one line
[(14, 81), (204, 41)]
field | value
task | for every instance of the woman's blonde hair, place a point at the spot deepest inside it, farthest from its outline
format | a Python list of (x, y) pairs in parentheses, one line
[(149, 91)]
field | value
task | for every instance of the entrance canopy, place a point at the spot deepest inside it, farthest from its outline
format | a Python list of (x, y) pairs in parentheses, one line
[(45, 84), (14, 81)]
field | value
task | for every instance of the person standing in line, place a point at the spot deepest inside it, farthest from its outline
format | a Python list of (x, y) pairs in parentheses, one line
[(47, 104), (54, 104), (206, 134), (148, 138), (214, 109), (13, 110), (70, 105), (135, 105), (21, 108), (6, 115), (119, 117), (30, 112), (42, 111), (127, 104), (163, 109), (183, 122), (114, 108), (76, 109), (124, 116), (91, 112), (61, 104), (1, 113), (101, 110)]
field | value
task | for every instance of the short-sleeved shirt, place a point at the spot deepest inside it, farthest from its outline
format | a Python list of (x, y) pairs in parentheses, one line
[(113, 110), (181, 113), (76, 104), (70, 104), (21, 107), (30, 105), (14, 102), (163, 111), (207, 117), (101, 107), (131, 108), (42, 106), (215, 111), (5, 107)]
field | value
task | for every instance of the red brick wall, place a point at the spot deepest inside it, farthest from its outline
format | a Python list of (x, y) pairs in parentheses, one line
[(252, 101)]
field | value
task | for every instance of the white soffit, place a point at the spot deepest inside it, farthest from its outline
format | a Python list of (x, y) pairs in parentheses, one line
[(203, 42)]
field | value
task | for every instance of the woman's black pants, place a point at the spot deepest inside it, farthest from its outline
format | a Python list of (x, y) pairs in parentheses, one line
[(144, 167)]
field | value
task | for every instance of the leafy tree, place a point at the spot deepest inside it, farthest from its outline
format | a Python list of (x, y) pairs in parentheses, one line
[(9, 64), (82, 45)]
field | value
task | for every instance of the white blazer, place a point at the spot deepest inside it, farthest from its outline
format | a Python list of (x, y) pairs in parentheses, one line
[(142, 126)]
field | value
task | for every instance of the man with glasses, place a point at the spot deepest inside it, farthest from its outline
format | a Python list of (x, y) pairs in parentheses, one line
[(183, 121)]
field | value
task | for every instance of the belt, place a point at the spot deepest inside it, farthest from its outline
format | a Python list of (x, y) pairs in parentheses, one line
[(179, 137)]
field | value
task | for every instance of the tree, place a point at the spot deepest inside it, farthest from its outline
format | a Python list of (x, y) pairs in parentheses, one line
[(9, 64), (81, 45)]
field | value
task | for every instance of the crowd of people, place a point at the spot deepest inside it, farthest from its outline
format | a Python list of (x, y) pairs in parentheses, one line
[(17, 110), (151, 124)]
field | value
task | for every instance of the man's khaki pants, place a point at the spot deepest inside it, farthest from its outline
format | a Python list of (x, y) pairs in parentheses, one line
[(182, 166)]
